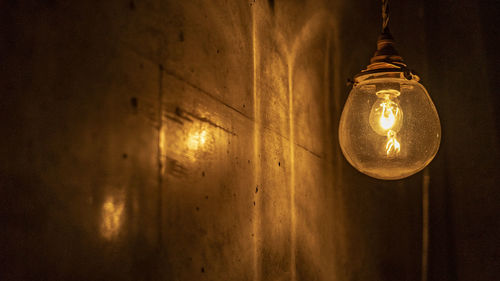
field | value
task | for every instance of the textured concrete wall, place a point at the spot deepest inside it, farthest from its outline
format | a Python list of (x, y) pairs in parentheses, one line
[(197, 140), (168, 140)]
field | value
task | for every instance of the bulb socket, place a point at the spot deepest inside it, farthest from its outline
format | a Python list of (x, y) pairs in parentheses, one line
[(387, 59), (386, 50)]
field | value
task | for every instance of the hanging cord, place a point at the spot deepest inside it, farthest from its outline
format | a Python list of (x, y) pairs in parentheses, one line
[(386, 58), (385, 16)]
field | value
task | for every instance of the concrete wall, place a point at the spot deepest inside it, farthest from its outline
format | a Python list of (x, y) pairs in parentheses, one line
[(168, 140), (197, 140)]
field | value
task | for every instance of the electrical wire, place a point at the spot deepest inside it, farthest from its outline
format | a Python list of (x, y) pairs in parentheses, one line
[(385, 16)]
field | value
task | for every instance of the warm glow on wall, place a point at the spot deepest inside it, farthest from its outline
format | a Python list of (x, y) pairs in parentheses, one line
[(197, 139), (389, 128), (111, 216)]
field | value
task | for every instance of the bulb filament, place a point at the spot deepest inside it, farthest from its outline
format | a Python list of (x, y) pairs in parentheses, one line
[(392, 147), (386, 119), (388, 115)]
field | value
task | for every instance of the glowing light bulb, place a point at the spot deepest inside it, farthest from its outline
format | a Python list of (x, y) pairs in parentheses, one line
[(373, 135), (386, 114), (386, 119), (389, 128)]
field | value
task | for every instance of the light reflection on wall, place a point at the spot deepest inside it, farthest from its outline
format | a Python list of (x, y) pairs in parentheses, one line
[(197, 139), (198, 142), (112, 216)]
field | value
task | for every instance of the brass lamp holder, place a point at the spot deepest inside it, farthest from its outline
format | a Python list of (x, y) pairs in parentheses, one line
[(387, 59)]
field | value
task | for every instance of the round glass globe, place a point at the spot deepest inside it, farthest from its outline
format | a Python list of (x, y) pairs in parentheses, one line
[(389, 128)]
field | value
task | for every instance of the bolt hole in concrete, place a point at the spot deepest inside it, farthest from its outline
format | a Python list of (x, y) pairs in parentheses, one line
[(134, 102), (271, 4)]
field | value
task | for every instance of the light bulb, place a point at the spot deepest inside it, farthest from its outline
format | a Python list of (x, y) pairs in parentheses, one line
[(389, 128), (386, 114)]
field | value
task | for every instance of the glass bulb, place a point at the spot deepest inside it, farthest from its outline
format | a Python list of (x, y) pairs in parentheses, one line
[(389, 128)]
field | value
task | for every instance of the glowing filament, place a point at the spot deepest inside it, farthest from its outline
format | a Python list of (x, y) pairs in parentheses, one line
[(392, 147), (388, 115)]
